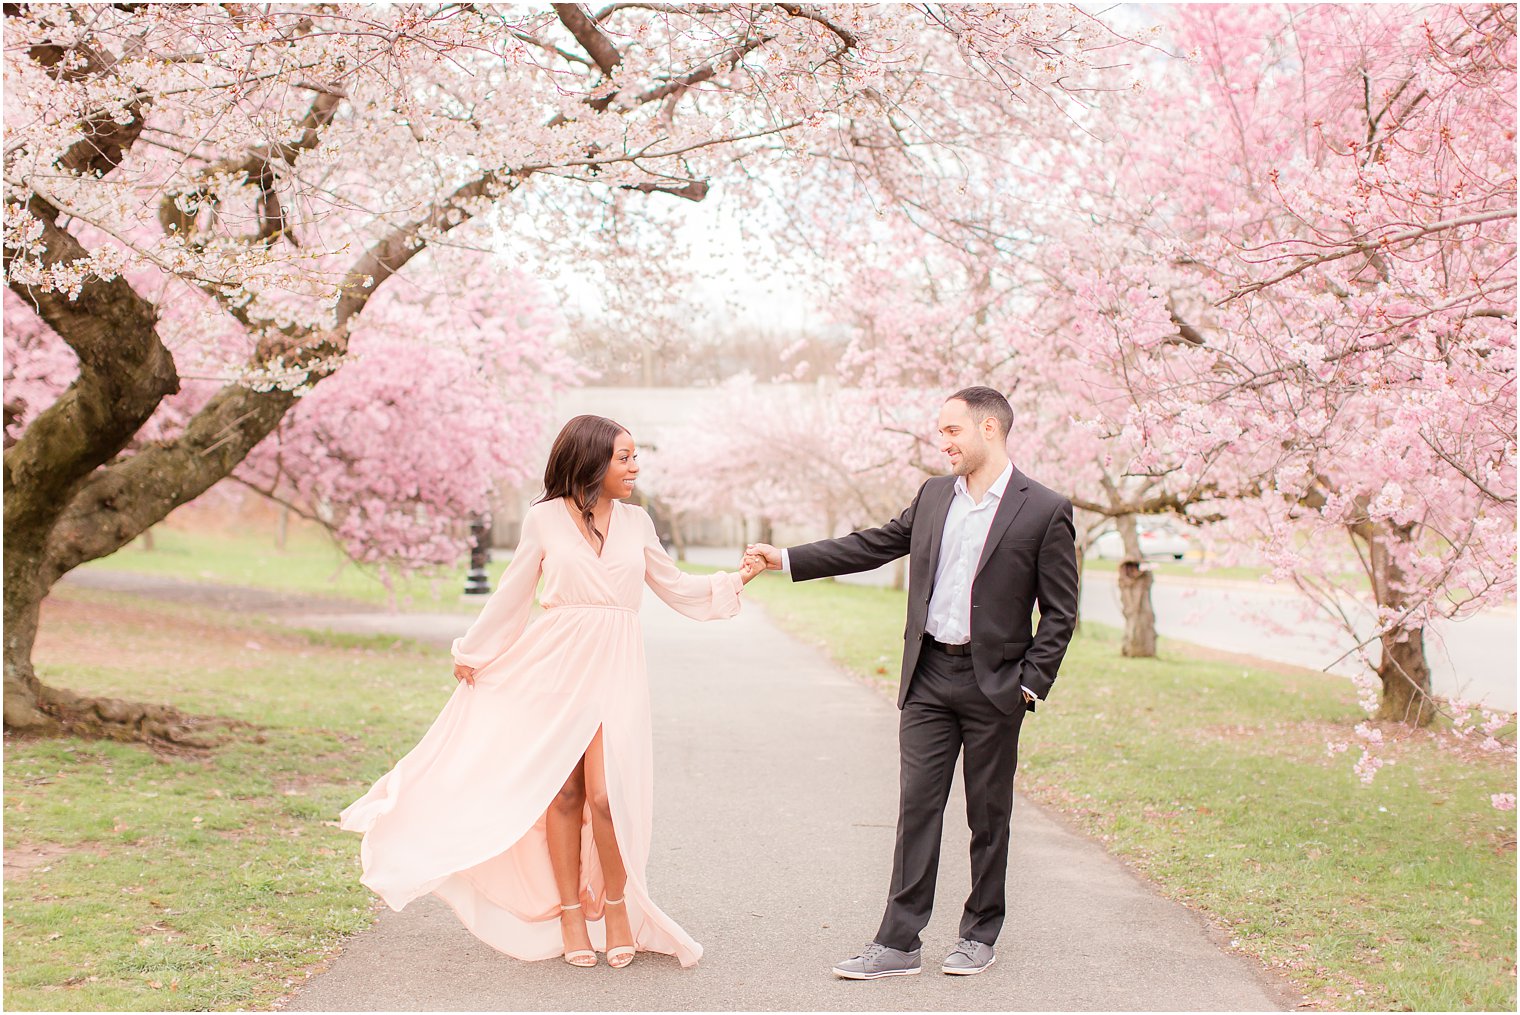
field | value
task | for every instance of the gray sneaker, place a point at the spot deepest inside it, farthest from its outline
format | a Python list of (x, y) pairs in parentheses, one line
[(969, 958), (878, 961)]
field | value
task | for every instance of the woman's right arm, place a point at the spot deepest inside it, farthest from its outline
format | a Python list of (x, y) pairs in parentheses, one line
[(505, 614)]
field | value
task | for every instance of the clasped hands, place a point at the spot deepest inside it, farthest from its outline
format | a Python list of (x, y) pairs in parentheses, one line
[(759, 557)]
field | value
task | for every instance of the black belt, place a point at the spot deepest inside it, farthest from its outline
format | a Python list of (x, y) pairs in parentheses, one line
[(949, 650)]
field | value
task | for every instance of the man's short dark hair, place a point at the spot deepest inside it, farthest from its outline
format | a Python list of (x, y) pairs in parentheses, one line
[(983, 402)]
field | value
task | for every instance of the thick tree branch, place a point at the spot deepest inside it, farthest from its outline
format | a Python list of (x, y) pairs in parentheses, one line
[(390, 254), (723, 62), (1185, 331), (105, 141), (596, 44), (811, 13), (178, 209), (691, 190), (121, 500), (125, 371)]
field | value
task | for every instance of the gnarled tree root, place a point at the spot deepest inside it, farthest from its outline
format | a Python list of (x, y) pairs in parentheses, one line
[(61, 713)]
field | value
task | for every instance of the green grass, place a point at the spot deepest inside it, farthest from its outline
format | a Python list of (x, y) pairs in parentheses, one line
[(1214, 780), (198, 881)]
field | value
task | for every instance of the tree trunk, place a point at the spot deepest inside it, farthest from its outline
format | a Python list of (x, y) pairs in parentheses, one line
[(1404, 673), (678, 536), (1135, 581), (1406, 680), (900, 574), (1139, 617), (23, 692), (147, 540), (35, 709)]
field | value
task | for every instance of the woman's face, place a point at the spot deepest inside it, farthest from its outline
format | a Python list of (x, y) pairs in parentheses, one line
[(623, 469)]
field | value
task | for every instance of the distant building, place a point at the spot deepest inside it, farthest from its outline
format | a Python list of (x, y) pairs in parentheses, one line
[(646, 412)]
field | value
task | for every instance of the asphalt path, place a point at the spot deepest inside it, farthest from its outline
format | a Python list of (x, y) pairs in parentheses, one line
[(776, 780), (775, 803)]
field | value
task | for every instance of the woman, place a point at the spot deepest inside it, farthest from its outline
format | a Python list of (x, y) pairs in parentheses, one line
[(527, 806)]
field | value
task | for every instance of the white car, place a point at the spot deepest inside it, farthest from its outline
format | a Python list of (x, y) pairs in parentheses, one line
[(1160, 539)]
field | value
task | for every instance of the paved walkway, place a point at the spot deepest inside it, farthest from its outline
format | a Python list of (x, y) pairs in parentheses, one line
[(775, 782)]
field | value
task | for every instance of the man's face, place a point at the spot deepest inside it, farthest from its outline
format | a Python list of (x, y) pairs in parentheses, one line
[(961, 438)]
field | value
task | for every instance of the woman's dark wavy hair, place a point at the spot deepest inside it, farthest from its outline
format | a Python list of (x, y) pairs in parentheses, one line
[(578, 464)]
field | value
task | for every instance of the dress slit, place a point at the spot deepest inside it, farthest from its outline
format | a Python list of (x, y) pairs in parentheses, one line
[(593, 875)]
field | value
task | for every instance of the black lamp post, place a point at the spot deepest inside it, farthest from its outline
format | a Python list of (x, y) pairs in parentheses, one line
[(477, 582)]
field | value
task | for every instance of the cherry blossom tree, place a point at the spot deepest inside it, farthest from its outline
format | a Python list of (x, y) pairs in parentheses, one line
[(1273, 290), (213, 195), (402, 447), (1312, 313), (399, 450)]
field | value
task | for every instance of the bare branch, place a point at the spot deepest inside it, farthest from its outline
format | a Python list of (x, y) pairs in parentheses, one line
[(1369, 246)]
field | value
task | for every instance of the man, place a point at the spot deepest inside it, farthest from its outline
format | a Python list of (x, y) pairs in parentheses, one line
[(987, 544)]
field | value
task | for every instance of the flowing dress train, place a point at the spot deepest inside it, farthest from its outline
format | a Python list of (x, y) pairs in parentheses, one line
[(463, 814)]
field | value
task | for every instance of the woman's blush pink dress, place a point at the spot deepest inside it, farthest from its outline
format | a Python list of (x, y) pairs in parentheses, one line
[(462, 815)]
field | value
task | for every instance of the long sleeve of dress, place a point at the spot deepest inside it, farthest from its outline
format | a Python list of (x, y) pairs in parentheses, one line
[(701, 597), (505, 614)]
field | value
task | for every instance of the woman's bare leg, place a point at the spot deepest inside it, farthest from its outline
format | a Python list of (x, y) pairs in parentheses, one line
[(563, 828), (614, 874)]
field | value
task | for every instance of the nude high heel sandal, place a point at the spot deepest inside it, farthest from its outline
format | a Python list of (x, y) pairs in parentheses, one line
[(583, 958), (622, 955)]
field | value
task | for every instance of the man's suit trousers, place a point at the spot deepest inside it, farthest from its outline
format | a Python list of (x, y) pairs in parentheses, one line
[(944, 715)]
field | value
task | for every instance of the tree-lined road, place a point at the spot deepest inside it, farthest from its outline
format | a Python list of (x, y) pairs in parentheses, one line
[(1476, 658)]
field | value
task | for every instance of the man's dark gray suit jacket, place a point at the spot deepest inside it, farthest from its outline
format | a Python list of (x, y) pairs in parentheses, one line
[(1029, 559)]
